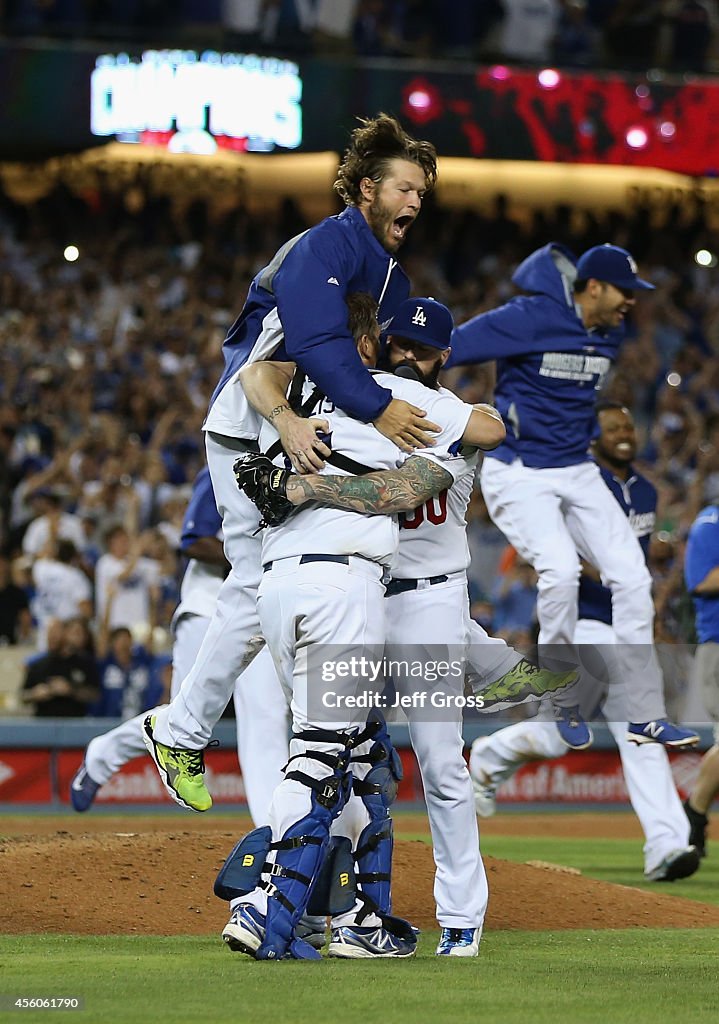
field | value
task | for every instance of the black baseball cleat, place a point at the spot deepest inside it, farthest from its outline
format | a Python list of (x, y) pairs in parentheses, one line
[(677, 864), (698, 826)]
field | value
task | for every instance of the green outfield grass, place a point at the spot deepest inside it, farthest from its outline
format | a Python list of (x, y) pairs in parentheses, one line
[(640, 977), (612, 860)]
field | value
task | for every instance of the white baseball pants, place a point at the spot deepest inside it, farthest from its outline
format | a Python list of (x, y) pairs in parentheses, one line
[(555, 516), (308, 612), (233, 636), (439, 615), (646, 768)]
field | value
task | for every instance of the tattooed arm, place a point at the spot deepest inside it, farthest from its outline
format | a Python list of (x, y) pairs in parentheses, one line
[(265, 385), (382, 493)]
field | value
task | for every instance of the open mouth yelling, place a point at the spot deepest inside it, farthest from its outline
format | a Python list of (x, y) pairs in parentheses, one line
[(400, 227)]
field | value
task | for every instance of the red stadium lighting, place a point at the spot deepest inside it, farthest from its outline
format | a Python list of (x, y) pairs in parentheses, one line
[(637, 137), (549, 78), (500, 73), (667, 129), (419, 100)]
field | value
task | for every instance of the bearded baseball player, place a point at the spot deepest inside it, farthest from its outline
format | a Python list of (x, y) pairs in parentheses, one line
[(668, 854), (435, 606), (296, 309), (318, 605), (554, 348)]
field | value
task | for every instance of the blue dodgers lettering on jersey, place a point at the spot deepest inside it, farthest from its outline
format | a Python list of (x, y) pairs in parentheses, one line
[(637, 498), (342, 252), (702, 555), (548, 365)]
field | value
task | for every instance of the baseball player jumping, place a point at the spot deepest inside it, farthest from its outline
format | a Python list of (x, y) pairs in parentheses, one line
[(296, 309), (554, 348)]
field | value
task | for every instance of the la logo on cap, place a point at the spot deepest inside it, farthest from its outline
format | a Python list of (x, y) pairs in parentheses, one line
[(420, 318), (632, 264)]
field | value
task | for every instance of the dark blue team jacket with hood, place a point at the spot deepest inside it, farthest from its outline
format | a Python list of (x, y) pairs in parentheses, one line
[(549, 367), (308, 281)]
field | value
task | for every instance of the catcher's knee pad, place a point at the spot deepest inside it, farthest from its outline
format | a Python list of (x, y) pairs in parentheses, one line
[(241, 872), (378, 791), (378, 787)]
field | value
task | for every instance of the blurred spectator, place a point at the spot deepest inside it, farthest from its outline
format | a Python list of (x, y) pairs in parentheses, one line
[(632, 33), (333, 23), (129, 677), (287, 24), (242, 17), (487, 545), (65, 680), (371, 31), (127, 582), (62, 590), (688, 33), (15, 618), (49, 522), (528, 30), (576, 44), (514, 600), (112, 498)]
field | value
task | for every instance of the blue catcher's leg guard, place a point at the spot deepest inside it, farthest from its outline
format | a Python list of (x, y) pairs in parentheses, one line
[(300, 852), (373, 855)]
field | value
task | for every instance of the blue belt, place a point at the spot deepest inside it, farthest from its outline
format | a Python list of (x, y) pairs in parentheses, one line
[(402, 586), (304, 559)]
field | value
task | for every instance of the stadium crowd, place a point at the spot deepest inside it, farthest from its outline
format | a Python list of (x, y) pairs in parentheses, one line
[(107, 362), (680, 35)]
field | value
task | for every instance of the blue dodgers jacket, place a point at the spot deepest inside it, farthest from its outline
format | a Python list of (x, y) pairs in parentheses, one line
[(307, 282), (637, 499), (549, 367)]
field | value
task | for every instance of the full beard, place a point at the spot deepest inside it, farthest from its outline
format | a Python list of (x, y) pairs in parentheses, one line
[(380, 221), (430, 379)]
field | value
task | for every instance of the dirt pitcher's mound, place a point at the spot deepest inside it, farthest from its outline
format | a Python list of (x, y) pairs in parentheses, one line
[(161, 884)]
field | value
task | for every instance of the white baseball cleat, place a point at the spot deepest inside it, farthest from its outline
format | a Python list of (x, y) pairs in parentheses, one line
[(459, 942)]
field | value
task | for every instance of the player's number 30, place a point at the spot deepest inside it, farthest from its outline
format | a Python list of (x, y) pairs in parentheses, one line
[(434, 511)]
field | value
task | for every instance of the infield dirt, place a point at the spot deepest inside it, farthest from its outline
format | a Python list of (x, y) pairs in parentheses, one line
[(155, 878)]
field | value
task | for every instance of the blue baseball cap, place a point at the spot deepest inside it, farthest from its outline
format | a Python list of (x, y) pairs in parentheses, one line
[(423, 320), (611, 264)]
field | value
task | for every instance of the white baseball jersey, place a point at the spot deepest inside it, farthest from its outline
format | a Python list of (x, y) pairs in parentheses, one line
[(231, 414), (317, 529), (424, 549)]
